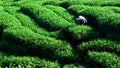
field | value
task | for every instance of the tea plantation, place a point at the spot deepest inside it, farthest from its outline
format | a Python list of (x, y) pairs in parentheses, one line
[(46, 34)]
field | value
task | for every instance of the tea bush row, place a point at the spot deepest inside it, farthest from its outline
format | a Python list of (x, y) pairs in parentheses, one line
[(68, 3), (11, 9), (53, 2), (7, 60), (99, 45), (39, 45), (28, 22), (102, 60), (45, 17), (7, 20), (77, 34), (25, 20), (101, 19), (113, 8), (61, 12)]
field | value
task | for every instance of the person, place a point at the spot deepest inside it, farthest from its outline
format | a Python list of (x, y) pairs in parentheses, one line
[(82, 19)]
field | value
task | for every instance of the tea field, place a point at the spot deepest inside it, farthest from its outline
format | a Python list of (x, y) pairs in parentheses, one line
[(45, 34)]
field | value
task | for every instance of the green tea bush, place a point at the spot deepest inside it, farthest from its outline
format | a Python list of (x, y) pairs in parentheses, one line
[(75, 9), (45, 17), (11, 9), (113, 8), (76, 65), (102, 60), (68, 3), (1, 8), (7, 20), (28, 22), (62, 12), (27, 62), (52, 2), (22, 2), (38, 2), (79, 33), (40, 45), (111, 3), (99, 45), (7, 2), (101, 19)]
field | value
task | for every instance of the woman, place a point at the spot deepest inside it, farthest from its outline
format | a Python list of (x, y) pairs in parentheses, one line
[(82, 19)]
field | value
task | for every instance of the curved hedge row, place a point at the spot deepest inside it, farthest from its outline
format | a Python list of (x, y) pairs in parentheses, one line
[(45, 17), (103, 60), (22, 2), (77, 34), (52, 2), (99, 45), (7, 20), (11, 9), (68, 3), (105, 21), (61, 12), (7, 60), (27, 62), (28, 22), (75, 9), (113, 8), (40, 45)]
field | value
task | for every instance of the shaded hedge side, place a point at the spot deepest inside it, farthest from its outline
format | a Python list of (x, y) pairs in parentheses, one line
[(77, 34)]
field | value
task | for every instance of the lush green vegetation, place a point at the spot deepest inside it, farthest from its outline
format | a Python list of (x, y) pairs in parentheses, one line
[(46, 34)]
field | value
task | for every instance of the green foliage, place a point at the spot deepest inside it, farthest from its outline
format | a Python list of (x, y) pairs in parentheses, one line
[(11, 9), (79, 33), (105, 21), (28, 22), (52, 2), (45, 17), (40, 45), (48, 29), (7, 20), (25, 62), (61, 12), (76, 65), (115, 9), (103, 60), (99, 45), (22, 2), (68, 3), (76, 9), (1, 8)]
